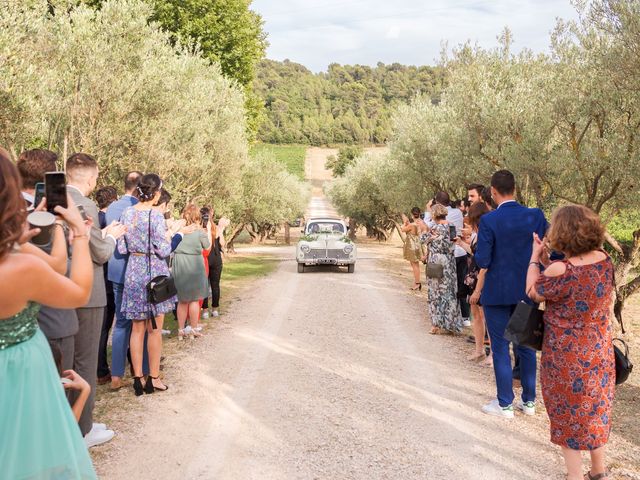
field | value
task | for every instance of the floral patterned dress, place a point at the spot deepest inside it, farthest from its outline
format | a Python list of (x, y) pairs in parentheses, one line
[(135, 242), (444, 308), (577, 370)]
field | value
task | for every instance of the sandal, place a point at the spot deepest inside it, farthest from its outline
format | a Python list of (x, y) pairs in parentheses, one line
[(476, 357), (181, 334), (600, 476), (166, 387), (435, 331)]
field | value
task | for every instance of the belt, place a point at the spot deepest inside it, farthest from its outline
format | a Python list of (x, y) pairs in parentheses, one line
[(136, 254)]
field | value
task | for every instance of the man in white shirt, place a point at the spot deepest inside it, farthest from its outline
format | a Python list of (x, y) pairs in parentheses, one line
[(456, 218)]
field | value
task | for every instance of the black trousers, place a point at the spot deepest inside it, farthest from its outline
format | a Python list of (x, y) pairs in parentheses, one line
[(107, 322), (215, 272), (462, 268)]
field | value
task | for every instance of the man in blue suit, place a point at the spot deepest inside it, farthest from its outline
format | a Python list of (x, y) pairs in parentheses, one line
[(116, 270), (505, 240)]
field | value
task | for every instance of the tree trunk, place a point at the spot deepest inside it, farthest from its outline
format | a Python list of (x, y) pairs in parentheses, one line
[(234, 234), (287, 233), (628, 258)]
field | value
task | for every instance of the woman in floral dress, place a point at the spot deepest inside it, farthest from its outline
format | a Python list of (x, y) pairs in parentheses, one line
[(147, 256), (577, 371), (444, 308)]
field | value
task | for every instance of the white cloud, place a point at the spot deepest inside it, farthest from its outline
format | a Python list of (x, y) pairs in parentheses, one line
[(318, 32)]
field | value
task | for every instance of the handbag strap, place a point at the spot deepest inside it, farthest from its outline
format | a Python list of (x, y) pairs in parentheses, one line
[(153, 316)]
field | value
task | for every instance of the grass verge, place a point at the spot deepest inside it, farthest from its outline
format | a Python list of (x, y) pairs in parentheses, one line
[(292, 156)]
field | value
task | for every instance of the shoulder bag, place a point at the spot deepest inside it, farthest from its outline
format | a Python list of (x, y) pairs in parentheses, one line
[(623, 362), (526, 326), (160, 288)]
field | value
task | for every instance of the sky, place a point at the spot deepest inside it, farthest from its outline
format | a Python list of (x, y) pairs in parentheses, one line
[(316, 33)]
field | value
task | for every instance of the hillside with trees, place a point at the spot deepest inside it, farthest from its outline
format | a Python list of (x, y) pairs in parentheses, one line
[(347, 104)]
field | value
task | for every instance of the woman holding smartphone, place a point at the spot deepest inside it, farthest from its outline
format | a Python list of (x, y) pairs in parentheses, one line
[(38, 432)]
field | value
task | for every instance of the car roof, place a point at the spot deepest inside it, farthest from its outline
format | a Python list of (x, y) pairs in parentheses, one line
[(325, 219)]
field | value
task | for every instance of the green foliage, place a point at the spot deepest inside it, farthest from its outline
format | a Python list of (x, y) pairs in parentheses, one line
[(270, 194), (346, 156), (292, 156), (226, 32), (347, 104)]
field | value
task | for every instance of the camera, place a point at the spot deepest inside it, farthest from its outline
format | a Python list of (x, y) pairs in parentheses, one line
[(205, 214)]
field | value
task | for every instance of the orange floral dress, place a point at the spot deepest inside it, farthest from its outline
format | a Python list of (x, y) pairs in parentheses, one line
[(577, 370)]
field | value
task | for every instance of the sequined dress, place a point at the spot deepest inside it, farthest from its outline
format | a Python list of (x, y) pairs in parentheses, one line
[(39, 437)]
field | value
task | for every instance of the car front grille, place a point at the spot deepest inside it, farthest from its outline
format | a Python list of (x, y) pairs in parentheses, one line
[(324, 253)]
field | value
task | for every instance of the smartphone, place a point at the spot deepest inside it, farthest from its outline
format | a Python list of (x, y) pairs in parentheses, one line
[(65, 380), (452, 232), (39, 194), (83, 213), (55, 190)]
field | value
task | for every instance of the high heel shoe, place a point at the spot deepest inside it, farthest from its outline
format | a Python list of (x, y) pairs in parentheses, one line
[(148, 386), (150, 381), (416, 286), (137, 386)]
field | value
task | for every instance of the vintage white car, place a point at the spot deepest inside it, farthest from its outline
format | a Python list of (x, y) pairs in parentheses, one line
[(325, 242)]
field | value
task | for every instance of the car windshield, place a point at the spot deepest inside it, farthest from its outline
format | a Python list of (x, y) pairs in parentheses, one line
[(325, 227)]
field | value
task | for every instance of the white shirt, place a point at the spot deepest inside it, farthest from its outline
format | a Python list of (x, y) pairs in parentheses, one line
[(506, 201)]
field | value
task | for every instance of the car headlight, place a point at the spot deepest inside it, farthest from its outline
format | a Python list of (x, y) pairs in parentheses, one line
[(305, 248), (348, 248)]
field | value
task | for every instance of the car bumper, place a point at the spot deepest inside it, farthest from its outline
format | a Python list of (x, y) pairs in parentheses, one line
[(326, 261)]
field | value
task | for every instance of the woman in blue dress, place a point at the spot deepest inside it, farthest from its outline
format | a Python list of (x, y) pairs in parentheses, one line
[(39, 437), (146, 244)]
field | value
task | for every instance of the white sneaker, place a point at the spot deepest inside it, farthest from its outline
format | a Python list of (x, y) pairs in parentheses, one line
[(166, 332), (466, 322), (198, 328), (98, 437), (528, 408), (187, 329), (205, 314), (494, 408), (215, 313), (98, 426)]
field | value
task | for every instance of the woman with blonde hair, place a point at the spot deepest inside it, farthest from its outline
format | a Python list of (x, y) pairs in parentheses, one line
[(577, 371), (189, 270), (444, 308)]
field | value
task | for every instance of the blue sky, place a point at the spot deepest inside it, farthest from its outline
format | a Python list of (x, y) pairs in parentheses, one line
[(318, 32)]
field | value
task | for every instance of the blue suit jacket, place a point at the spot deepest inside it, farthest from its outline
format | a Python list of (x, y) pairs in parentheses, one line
[(118, 263), (505, 239)]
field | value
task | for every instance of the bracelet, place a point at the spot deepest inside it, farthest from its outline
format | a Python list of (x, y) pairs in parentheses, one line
[(535, 263), (84, 235)]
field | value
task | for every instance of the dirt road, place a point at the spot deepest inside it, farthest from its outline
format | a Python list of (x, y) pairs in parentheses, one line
[(326, 375)]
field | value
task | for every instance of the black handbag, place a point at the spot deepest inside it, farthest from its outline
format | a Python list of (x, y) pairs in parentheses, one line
[(526, 326), (161, 288), (623, 363)]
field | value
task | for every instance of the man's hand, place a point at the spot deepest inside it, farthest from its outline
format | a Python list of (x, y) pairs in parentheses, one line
[(116, 230)]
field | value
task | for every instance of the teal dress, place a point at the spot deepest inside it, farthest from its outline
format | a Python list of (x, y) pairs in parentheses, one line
[(39, 437), (189, 272)]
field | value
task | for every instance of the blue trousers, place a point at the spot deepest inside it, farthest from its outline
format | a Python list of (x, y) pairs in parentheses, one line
[(497, 317), (120, 339)]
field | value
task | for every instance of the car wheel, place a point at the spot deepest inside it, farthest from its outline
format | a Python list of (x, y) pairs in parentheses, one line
[(301, 268), (351, 267)]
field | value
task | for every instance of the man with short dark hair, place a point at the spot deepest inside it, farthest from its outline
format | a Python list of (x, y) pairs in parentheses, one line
[(58, 325), (82, 178), (474, 193), (32, 165), (505, 240)]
